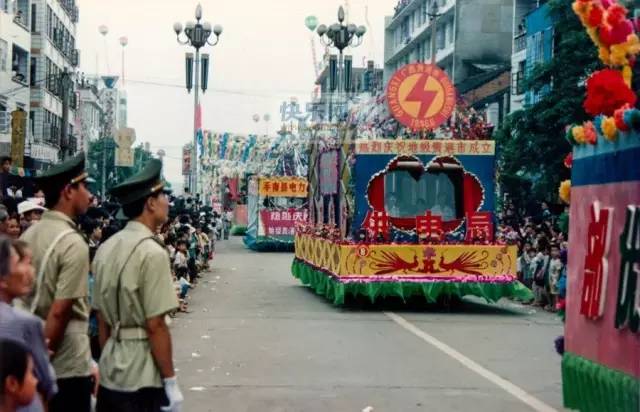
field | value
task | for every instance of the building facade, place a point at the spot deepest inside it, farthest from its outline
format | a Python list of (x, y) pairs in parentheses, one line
[(54, 53), (472, 37), (89, 115), (15, 73), (328, 104)]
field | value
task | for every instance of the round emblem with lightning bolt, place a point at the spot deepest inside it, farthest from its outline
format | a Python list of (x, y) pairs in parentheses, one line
[(421, 96)]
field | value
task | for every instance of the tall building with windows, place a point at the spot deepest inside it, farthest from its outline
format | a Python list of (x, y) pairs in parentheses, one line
[(473, 37), (15, 73), (89, 116), (53, 48)]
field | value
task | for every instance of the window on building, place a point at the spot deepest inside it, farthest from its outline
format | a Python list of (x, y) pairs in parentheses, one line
[(4, 6), (20, 65), (449, 33), (440, 38), (32, 122), (33, 71), (5, 118), (34, 18), (424, 11), (4, 53)]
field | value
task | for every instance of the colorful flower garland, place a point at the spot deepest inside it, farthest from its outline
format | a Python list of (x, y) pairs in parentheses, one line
[(610, 98)]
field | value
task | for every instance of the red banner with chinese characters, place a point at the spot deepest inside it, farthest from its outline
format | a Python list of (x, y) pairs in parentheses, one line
[(282, 222)]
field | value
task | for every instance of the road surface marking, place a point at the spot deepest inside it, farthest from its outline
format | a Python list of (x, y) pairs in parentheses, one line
[(535, 403)]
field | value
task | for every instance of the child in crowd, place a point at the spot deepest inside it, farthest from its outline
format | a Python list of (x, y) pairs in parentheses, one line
[(541, 274), (17, 380), (555, 271), (181, 270), (180, 261), (527, 265)]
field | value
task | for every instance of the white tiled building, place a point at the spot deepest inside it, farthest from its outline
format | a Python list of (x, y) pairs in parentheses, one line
[(472, 36), (89, 114), (53, 50), (15, 45)]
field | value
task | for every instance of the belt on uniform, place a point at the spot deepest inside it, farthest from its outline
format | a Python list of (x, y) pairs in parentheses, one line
[(77, 326), (130, 333)]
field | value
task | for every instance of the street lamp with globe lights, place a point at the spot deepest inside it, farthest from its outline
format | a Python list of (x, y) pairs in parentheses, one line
[(197, 34), (341, 35)]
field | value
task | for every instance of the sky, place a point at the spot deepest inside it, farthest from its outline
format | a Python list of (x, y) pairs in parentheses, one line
[(264, 58)]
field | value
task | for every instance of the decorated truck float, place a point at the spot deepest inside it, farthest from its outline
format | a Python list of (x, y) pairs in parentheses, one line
[(406, 216)]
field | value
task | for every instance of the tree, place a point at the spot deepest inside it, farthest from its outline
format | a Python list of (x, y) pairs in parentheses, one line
[(114, 175), (532, 140)]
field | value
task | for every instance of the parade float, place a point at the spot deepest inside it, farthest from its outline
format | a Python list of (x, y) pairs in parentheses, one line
[(401, 200), (277, 195), (601, 361)]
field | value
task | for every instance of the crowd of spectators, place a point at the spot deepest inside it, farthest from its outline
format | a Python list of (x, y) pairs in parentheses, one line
[(542, 239)]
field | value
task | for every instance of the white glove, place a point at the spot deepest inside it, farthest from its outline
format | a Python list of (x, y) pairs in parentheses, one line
[(173, 394)]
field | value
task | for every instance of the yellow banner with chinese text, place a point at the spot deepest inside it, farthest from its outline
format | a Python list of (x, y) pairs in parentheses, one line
[(427, 147), (283, 187)]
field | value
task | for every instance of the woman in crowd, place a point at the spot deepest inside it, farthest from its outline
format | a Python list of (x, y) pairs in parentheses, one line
[(16, 280)]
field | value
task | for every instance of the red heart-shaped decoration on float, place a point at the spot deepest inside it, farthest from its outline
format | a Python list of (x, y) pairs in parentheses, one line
[(468, 189)]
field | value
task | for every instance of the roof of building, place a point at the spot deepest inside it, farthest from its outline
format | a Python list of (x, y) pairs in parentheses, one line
[(478, 80)]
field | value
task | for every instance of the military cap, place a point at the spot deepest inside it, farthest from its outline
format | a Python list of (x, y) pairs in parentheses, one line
[(141, 185), (68, 172), (97, 212)]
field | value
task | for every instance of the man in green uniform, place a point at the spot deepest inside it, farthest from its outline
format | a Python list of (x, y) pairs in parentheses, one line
[(133, 293), (61, 258)]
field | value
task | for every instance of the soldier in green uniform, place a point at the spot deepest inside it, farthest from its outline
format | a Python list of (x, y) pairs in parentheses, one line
[(133, 293), (61, 259)]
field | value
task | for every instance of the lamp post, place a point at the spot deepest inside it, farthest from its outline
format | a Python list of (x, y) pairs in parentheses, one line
[(433, 15), (341, 35), (124, 41), (267, 119), (198, 34)]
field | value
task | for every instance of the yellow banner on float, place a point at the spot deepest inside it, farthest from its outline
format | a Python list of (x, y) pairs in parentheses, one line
[(283, 187), (427, 147)]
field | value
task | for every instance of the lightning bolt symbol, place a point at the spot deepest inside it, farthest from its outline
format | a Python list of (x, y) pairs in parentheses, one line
[(422, 96)]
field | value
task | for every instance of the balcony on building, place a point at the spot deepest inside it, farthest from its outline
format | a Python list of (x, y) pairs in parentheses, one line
[(20, 65), (21, 13), (520, 42), (70, 7)]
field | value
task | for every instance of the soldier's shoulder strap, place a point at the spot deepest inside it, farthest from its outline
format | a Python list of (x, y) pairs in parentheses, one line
[(43, 265)]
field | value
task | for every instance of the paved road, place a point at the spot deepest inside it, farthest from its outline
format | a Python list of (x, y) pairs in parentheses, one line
[(259, 341)]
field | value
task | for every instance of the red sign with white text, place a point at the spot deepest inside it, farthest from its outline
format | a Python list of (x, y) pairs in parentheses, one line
[(282, 222)]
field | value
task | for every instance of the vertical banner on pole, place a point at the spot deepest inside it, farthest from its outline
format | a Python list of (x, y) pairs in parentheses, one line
[(348, 66), (333, 72), (18, 134), (204, 75), (189, 71)]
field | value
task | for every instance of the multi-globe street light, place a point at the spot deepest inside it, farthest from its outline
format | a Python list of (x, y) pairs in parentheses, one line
[(342, 35), (197, 36)]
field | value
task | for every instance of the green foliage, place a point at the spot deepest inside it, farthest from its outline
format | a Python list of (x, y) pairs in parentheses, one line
[(114, 175), (532, 140)]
